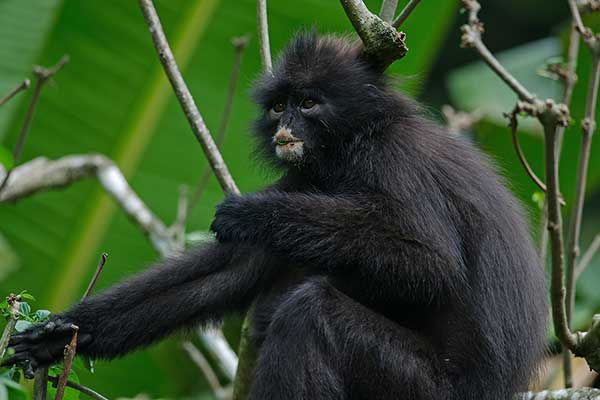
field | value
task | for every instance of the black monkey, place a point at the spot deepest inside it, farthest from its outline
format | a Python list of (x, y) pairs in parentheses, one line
[(388, 262)]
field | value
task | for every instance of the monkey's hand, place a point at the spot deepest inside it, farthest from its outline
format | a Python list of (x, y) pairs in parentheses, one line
[(42, 345), (241, 218)]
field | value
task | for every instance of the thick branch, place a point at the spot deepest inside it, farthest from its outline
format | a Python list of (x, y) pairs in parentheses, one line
[(562, 394), (383, 44), (185, 98)]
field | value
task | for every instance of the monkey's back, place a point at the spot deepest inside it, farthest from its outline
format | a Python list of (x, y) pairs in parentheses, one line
[(491, 333)]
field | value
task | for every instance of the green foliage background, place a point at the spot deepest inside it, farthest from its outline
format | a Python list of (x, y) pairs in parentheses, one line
[(113, 98)]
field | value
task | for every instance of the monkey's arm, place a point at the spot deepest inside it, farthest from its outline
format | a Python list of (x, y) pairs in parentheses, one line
[(196, 288), (356, 233)]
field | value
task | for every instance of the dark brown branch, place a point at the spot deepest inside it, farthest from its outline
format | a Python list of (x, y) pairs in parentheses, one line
[(263, 35), (83, 389), (471, 37), (185, 98), (383, 44), (24, 85), (239, 44), (42, 75), (70, 350), (405, 13), (569, 78), (99, 268)]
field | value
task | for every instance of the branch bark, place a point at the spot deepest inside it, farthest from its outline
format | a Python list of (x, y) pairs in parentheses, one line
[(263, 35), (185, 98), (24, 85)]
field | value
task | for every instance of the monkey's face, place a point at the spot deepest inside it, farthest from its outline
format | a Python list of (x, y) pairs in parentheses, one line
[(319, 101)]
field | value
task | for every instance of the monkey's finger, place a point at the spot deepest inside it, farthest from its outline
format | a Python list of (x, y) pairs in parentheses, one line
[(16, 358)]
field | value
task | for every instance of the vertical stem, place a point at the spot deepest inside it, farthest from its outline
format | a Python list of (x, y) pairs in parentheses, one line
[(263, 35), (557, 289), (388, 10), (40, 384), (13, 304)]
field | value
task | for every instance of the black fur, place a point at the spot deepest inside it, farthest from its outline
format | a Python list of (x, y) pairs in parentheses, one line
[(388, 262)]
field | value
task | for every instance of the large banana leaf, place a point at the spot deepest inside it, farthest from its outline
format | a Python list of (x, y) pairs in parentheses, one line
[(113, 98)]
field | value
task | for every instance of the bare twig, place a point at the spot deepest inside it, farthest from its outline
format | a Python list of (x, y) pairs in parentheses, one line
[(40, 384), (13, 308), (83, 389), (239, 45), (471, 37), (587, 256), (202, 363), (383, 44), (585, 32), (70, 350), (405, 13), (388, 10), (185, 98), (263, 35), (42, 75), (99, 268), (24, 85)]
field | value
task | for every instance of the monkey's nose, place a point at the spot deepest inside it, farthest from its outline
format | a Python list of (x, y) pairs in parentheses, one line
[(284, 136)]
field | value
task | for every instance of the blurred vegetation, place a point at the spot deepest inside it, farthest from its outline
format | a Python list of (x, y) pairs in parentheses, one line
[(113, 98)]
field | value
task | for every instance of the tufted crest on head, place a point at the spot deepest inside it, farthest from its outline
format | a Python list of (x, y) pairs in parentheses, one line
[(331, 63)]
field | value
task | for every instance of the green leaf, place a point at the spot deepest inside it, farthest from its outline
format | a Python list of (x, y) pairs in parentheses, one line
[(6, 158), (42, 315), (22, 325), (26, 296), (24, 309)]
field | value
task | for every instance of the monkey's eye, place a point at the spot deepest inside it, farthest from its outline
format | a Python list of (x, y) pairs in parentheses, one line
[(308, 103), (278, 107)]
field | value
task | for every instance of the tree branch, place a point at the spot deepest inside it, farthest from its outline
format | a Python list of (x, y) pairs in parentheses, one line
[(388, 10), (561, 394), (70, 351), (405, 13), (185, 98), (383, 44), (263, 35), (42, 75), (198, 358), (587, 256), (24, 85), (83, 389), (13, 308)]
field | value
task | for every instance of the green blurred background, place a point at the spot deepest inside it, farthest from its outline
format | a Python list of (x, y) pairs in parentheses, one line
[(113, 98)]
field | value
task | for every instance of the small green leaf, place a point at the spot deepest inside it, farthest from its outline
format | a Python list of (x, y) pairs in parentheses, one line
[(6, 158), (26, 296), (41, 315), (538, 199), (24, 309), (22, 325)]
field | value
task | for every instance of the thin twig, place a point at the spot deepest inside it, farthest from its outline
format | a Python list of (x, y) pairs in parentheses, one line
[(263, 35), (587, 256), (185, 98), (99, 268), (202, 363), (24, 85), (523, 159), (70, 350), (83, 389), (388, 10), (42, 75), (13, 309), (405, 13), (239, 45), (585, 32), (471, 37)]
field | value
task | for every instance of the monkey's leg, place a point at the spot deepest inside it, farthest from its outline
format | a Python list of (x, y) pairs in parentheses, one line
[(215, 280), (323, 345)]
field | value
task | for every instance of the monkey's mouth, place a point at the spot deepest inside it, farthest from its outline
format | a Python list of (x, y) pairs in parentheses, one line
[(287, 146)]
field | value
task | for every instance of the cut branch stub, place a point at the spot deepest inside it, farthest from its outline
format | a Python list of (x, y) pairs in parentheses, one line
[(588, 344), (382, 43)]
